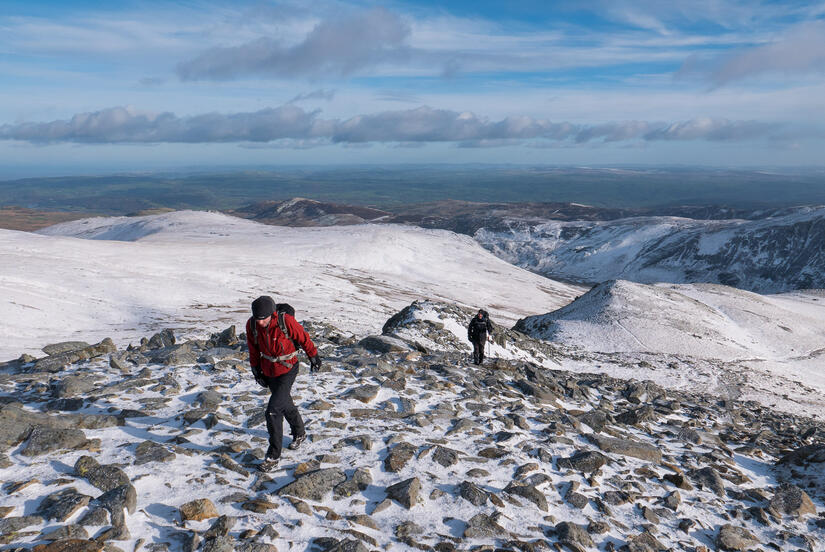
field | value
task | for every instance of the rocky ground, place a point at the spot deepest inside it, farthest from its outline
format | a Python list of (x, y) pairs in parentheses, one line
[(410, 448)]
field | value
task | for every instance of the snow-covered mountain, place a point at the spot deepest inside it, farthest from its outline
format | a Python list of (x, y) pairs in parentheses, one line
[(702, 336), (198, 271), (767, 255)]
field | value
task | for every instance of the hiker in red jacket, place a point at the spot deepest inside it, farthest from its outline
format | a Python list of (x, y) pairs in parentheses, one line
[(273, 338)]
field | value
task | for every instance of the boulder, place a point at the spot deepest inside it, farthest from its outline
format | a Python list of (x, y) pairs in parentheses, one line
[(627, 447), (104, 477), (788, 499), (406, 492), (314, 485), (586, 461), (43, 440), (735, 539), (198, 510)]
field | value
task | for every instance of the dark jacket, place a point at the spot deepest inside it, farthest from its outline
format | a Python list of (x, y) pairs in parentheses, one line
[(273, 343), (479, 327)]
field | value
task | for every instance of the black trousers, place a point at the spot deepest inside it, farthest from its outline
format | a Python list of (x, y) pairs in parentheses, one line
[(478, 349), (281, 406)]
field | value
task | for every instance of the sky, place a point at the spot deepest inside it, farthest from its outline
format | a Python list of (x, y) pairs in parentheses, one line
[(88, 87)]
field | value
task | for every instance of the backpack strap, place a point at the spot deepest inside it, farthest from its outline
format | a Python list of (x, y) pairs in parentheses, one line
[(254, 329), (285, 329)]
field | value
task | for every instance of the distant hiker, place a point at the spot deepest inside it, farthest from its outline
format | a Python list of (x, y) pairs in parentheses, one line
[(477, 332), (273, 336)]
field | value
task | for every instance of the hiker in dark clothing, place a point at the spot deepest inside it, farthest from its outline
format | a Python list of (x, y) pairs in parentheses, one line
[(273, 338), (477, 332)]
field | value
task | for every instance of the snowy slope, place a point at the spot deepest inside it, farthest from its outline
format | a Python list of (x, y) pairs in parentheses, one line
[(198, 272), (768, 255), (705, 337), (701, 320)]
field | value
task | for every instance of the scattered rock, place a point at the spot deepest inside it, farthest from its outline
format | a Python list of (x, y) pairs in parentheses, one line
[(198, 510), (406, 492), (314, 485), (791, 500), (735, 539)]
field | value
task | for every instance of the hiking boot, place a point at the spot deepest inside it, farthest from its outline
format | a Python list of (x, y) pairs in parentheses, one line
[(269, 464), (296, 441)]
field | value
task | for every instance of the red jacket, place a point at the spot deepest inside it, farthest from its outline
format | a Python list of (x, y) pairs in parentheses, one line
[(272, 342)]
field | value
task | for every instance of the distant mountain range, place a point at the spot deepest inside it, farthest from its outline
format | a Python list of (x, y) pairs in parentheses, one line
[(764, 250)]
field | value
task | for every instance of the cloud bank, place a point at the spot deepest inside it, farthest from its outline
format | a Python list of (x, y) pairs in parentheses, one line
[(123, 125), (335, 47)]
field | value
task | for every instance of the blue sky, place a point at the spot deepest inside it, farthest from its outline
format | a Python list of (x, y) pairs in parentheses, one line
[(98, 87)]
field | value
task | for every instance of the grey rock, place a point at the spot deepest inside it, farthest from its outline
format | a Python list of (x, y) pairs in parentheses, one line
[(118, 499), (577, 500), (483, 526), (149, 451), (586, 461), (208, 400), (572, 533), (16, 423), (383, 344), (637, 415), (735, 539), (72, 386), (219, 544), (596, 419), (529, 492), (471, 492), (399, 456), (645, 391), (408, 529), (61, 504), (95, 516), (43, 440), (255, 547), (66, 532), (445, 456), (329, 544), (627, 447), (15, 524), (689, 435), (808, 454), (314, 485), (365, 393), (64, 405), (360, 480), (64, 347), (220, 527), (56, 362), (104, 477), (406, 492), (673, 500), (708, 478), (790, 499), (164, 338), (645, 542)]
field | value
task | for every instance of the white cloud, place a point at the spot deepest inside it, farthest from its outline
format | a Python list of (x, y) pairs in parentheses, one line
[(292, 125), (335, 47)]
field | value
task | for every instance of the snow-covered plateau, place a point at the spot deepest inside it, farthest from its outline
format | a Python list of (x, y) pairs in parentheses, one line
[(631, 416)]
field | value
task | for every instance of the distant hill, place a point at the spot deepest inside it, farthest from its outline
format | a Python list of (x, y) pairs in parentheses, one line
[(768, 255)]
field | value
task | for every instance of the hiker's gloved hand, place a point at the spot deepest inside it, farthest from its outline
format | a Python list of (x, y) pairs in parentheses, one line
[(259, 377), (315, 363)]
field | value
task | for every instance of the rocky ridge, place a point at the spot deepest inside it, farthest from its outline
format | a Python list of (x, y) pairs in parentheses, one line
[(154, 448)]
